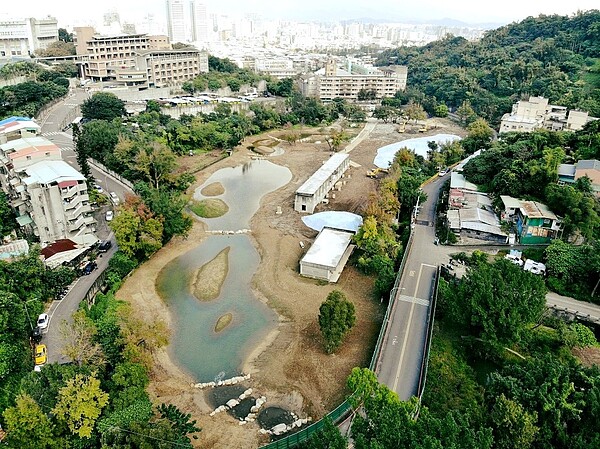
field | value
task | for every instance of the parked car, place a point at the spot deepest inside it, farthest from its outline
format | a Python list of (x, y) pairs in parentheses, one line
[(443, 172), (98, 188), (514, 259), (42, 321), (534, 267), (114, 198), (91, 266), (41, 355), (109, 215), (104, 246), (36, 334)]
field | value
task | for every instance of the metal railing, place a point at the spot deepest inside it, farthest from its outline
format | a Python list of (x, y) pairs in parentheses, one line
[(430, 318)]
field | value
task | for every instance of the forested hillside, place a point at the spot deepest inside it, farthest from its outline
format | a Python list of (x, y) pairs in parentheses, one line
[(552, 56)]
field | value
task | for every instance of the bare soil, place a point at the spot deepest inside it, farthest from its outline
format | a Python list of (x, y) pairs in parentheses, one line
[(290, 366), (209, 278)]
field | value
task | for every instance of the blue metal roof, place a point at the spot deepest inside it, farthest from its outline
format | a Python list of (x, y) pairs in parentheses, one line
[(14, 119)]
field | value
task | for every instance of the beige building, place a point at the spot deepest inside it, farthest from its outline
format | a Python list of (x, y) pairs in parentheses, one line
[(138, 60), (49, 196), (24, 37), (332, 82), (536, 113)]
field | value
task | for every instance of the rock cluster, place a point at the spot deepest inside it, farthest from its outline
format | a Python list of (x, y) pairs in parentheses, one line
[(232, 381)]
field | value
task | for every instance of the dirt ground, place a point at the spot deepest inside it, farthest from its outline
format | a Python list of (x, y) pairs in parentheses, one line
[(290, 367)]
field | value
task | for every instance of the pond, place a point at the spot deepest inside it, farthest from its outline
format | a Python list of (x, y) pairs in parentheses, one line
[(385, 155), (195, 346)]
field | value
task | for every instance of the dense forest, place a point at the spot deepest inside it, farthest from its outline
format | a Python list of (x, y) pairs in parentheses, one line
[(552, 56)]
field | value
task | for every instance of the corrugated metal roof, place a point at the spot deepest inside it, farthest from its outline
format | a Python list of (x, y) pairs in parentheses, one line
[(458, 181), (588, 164), (318, 178)]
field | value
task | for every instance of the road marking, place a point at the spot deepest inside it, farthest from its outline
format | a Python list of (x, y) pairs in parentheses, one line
[(427, 265), (411, 273), (421, 301), (405, 342)]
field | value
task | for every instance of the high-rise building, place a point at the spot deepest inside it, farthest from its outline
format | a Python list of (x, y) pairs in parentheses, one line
[(199, 22), (24, 37), (176, 21)]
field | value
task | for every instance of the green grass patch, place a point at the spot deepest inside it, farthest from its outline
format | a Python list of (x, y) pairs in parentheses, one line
[(210, 208), (451, 381)]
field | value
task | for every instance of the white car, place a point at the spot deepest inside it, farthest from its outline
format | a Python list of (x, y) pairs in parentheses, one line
[(98, 188), (114, 198), (514, 259), (42, 321), (109, 215)]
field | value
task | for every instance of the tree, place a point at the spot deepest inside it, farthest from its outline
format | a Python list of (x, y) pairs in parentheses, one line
[(58, 49), (329, 437), (7, 216), (80, 340), (81, 152), (137, 230), (336, 139), (64, 35), (496, 302), (80, 403), (480, 136), (465, 113), (156, 161), (27, 427), (103, 106), (336, 318), (441, 110), (513, 426), (98, 140), (415, 111)]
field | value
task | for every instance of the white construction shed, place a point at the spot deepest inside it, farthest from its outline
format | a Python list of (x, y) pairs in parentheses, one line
[(314, 190), (328, 255)]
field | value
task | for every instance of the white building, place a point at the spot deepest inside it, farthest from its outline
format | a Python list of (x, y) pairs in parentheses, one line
[(176, 21), (328, 255), (333, 82), (21, 38), (48, 196), (199, 22), (535, 113), (314, 190)]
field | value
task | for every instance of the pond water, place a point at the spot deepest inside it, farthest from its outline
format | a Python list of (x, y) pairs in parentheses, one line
[(385, 155), (244, 187), (205, 354)]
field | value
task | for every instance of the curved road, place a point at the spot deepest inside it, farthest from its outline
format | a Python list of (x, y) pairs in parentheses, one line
[(62, 310)]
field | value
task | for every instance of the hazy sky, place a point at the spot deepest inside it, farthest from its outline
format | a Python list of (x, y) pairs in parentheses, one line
[(70, 12)]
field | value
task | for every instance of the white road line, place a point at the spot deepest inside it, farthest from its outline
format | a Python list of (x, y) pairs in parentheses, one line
[(405, 342), (421, 301)]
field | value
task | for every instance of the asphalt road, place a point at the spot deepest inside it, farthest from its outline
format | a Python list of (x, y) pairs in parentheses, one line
[(585, 310), (403, 345), (62, 310)]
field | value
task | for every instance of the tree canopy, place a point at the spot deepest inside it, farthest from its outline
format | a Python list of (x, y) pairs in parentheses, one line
[(103, 106), (336, 317)]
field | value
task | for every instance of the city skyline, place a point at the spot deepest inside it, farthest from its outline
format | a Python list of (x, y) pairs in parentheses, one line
[(69, 12)]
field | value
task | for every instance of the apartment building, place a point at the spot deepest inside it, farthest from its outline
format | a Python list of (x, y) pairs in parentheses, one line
[(536, 113), (333, 82), (139, 60), (20, 38), (171, 67), (49, 196), (15, 128)]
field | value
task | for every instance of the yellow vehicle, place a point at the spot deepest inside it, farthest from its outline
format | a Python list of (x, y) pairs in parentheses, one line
[(41, 355), (376, 171)]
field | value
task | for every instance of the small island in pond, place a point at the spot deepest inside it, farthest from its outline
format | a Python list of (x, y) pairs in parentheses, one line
[(208, 280)]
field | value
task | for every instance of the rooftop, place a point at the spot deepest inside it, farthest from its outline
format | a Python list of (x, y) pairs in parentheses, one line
[(46, 172), (27, 146), (328, 248), (588, 164), (533, 209), (17, 125), (458, 181), (319, 177)]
